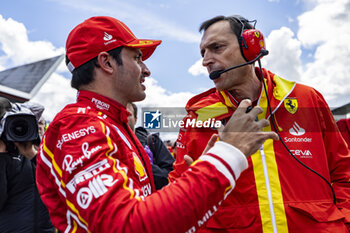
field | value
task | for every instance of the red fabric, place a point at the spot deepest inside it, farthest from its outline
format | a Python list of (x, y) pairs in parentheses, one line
[(255, 43), (103, 33), (344, 127), (307, 198), (93, 175)]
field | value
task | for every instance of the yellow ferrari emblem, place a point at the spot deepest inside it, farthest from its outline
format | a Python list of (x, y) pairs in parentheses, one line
[(257, 34), (291, 105)]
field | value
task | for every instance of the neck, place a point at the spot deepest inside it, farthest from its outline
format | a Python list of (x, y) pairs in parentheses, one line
[(102, 90), (248, 89)]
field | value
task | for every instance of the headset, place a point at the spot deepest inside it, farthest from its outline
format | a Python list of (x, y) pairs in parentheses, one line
[(252, 46), (251, 41)]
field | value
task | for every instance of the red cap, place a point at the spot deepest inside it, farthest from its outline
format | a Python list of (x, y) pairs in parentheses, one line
[(102, 33)]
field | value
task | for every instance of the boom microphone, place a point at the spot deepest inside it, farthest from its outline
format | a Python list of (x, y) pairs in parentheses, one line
[(216, 74)]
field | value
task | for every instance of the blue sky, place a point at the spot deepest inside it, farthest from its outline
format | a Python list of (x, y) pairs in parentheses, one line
[(307, 40), (53, 20)]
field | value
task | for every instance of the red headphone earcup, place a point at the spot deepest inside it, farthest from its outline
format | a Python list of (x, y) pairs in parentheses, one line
[(254, 40)]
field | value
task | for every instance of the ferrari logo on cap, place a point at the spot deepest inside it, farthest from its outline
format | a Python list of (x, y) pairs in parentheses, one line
[(257, 34), (291, 105)]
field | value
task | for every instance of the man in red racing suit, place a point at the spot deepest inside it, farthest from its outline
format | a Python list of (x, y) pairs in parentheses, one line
[(301, 201), (276, 193), (92, 172)]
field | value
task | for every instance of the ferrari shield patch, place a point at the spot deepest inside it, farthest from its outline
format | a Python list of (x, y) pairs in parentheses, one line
[(291, 105)]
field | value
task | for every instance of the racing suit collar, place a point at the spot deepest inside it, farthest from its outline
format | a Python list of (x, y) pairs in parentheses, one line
[(233, 102), (106, 106)]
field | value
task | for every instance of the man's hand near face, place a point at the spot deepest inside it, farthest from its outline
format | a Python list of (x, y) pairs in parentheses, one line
[(244, 132)]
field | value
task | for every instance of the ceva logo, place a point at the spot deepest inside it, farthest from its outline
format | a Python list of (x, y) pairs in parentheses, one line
[(296, 130)]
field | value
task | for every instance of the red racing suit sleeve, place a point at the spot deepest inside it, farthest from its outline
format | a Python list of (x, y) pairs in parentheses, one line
[(86, 178), (191, 142), (338, 158)]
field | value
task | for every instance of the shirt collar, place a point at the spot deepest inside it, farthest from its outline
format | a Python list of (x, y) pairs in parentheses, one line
[(104, 105)]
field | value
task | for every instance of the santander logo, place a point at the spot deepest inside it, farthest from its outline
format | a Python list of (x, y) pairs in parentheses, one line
[(107, 37), (296, 130)]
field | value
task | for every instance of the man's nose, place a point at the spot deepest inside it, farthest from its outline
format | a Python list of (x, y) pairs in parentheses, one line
[(145, 71), (207, 59)]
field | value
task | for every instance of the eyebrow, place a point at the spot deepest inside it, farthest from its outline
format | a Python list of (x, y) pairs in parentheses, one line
[(210, 45)]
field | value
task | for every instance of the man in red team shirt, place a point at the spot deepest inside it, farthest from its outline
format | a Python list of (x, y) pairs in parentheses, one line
[(276, 193), (94, 175)]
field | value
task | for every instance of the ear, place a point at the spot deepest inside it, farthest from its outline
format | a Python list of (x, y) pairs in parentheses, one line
[(104, 60)]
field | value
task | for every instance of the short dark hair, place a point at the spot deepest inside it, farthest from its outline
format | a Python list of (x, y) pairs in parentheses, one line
[(85, 73), (235, 24)]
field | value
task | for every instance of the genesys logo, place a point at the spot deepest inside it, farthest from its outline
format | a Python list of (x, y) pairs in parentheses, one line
[(75, 135), (296, 130)]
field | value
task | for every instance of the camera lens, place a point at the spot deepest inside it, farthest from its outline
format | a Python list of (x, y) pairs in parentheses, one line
[(21, 128)]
